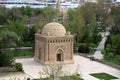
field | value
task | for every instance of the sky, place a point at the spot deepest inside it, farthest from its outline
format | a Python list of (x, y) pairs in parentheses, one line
[(118, 0)]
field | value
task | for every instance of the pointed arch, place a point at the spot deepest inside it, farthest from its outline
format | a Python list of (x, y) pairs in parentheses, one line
[(60, 55)]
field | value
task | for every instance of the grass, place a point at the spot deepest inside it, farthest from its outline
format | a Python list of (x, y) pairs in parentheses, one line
[(103, 76), (113, 60), (21, 53), (64, 78), (71, 78)]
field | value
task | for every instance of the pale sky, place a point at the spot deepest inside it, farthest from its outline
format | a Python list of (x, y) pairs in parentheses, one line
[(118, 0)]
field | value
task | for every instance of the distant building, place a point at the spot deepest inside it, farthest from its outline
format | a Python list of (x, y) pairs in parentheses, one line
[(53, 44)]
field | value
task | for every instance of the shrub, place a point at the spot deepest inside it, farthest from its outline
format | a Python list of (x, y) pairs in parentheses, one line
[(84, 48), (92, 45), (110, 55), (28, 78), (6, 59), (103, 52), (18, 66), (77, 74)]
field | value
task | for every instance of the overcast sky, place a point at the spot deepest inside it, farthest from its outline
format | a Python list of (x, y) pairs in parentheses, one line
[(118, 0)]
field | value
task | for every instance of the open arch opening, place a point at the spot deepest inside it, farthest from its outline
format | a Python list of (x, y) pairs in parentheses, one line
[(59, 55)]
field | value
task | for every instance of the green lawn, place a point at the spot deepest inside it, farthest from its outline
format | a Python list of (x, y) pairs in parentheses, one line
[(71, 78), (64, 78), (21, 53), (113, 60), (103, 76)]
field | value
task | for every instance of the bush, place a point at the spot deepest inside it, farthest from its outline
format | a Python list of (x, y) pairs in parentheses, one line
[(84, 48), (110, 55), (18, 66), (77, 74), (92, 45), (6, 59), (28, 78)]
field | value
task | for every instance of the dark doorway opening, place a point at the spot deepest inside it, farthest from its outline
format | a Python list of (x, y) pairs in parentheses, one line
[(59, 57)]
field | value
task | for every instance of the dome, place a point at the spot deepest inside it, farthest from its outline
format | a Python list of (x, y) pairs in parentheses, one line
[(54, 29)]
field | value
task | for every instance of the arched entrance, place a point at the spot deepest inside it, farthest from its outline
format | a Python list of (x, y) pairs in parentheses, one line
[(59, 56)]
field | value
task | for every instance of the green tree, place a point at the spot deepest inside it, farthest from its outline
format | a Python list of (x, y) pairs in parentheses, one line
[(115, 12), (16, 26), (75, 23), (14, 14), (8, 38), (49, 14), (27, 11), (3, 15)]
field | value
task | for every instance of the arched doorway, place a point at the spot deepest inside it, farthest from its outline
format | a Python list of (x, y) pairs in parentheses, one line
[(59, 56)]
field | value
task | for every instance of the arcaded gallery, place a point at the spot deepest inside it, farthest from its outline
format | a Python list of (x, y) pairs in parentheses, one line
[(53, 44)]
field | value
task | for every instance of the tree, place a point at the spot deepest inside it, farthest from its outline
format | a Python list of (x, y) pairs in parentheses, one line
[(3, 15), (27, 11), (75, 23), (14, 14), (53, 70), (115, 13), (8, 39), (49, 14), (16, 26)]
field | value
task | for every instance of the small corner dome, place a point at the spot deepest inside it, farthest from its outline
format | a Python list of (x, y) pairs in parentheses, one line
[(54, 29)]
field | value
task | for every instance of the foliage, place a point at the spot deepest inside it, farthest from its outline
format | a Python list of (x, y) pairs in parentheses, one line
[(103, 52), (3, 15), (14, 14), (18, 66), (24, 22), (73, 77), (114, 43), (84, 48), (16, 26), (53, 70), (115, 12), (104, 76), (75, 23), (6, 60), (20, 53), (8, 38), (83, 22), (113, 59), (28, 78), (112, 50)]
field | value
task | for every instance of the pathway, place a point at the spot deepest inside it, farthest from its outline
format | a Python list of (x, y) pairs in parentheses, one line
[(98, 54), (86, 67)]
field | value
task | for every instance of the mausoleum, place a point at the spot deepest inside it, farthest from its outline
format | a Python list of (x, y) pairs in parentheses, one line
[(53, 44)]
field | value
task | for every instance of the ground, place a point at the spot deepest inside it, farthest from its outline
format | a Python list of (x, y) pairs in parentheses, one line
[(81, 64)]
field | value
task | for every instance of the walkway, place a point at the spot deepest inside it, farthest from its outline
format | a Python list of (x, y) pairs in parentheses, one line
[(81, 64), (98, 54), (85, 67)]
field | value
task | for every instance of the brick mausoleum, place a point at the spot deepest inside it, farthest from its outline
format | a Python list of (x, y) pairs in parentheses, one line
[(53, 44)]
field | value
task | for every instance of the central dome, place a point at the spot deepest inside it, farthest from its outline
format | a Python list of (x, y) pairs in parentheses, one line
[(54, 29)]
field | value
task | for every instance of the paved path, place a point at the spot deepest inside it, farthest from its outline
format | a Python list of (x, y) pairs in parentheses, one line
[(12, 76), (85, 68), (101, 45), (81, 64)]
